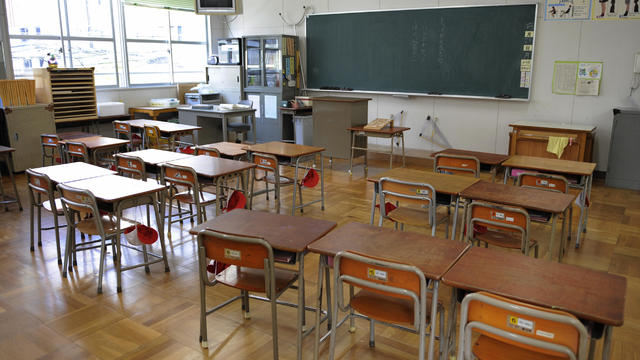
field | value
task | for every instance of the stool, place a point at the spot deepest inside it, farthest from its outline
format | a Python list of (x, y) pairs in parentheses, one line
[(7, 158)]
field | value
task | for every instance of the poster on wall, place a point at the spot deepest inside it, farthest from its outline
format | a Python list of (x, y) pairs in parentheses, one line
[(577, 78), (615, 10), (567, 10)]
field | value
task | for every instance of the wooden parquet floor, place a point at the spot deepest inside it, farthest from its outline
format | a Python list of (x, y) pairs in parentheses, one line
[(156, 316)]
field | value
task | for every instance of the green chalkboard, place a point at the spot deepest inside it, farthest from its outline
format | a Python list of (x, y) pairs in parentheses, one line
[(458, 51)]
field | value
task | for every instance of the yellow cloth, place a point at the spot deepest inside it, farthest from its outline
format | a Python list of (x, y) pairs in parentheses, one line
[(557, 144)]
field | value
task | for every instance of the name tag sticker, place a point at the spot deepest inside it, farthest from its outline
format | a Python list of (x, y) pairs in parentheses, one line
[(422, 191), (265, 162), (465, 165), (232, 254), (377, 274), (509, 219), (520, 324), (498, 215), (545, 334), (543, 182)]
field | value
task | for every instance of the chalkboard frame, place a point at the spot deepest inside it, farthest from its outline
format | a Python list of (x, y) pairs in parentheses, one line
[(407, 94)]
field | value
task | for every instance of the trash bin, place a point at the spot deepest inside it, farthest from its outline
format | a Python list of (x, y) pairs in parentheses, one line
[(303, 129)]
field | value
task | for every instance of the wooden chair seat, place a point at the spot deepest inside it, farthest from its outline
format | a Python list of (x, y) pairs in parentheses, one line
[(386, 308), (503, 239), (250, 279), (413, 216), (47, 205), (88, 226), (187, 198), (491, 349)]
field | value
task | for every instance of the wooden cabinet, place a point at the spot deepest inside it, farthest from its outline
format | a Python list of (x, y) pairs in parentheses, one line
[(72, 92), (531, 138), (332, 115)]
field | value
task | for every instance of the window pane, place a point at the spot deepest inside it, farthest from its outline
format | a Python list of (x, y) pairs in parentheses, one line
[(149, 63), (28, 54), (187, 26), (189, 62), (146, 23), (98, 54), (33, 17), (89, 18)]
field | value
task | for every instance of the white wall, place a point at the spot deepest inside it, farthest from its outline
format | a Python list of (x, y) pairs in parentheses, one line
[(132, 97), (483, 124)]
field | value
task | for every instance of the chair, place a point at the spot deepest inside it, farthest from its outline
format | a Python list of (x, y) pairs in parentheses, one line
[(77, 151), (50, 146), (500, 225), (390, 293), (269, 165), (42, 195), (131, 166), (514, 330), (547, 182), (457, 164), (175, 176), (207, 151), (154, 140), (122, 130), (415, 203), (82, 205), (251, 268), (240, 128)]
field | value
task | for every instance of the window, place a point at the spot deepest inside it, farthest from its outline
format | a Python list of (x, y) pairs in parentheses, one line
[(169, 46), (158, 46)]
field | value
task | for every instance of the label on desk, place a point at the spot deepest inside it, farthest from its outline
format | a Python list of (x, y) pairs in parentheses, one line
[(520, 324), (232, 254)]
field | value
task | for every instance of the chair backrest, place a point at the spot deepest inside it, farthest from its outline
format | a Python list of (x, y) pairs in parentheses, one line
[(152, 134), (381, 276), (546, 331), (49, 140), (457, 164), (207, 151), (499, 217), (132, 166), (40, 184), (121, 128), (245, 251), (180, 175), (543, 181), (404, 192), (77, 150), (265, 162)]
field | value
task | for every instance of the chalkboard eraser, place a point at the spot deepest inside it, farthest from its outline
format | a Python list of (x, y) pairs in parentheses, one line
[(503, 96), (329, 88), (346, 89), (434, 93)]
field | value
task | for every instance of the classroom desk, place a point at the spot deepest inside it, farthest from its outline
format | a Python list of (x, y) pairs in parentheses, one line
[(98, 144), (152, 158), (118, 193), (216, 169), (228, 149), (282, 232), (153, 111), (295, 153), (6, 156), (554, 203), (70, 135), (171, 129), (191, 116), (442, 183), (588, 294), (490, 159), (387, 132), (64, 173), (562, 167), (433, 256)]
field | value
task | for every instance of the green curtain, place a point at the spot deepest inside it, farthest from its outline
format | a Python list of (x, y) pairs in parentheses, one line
[(185, 5)]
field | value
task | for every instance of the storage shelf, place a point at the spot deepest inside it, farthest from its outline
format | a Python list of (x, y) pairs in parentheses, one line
[(72, 92)]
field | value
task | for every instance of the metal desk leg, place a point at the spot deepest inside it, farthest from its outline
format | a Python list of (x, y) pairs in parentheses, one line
[(353, 141), (451, 324), (494, 171), (391, 154), (434, 313), (8, 158), (455, 218), (582, 220), (464, 220), (224, 128), (301, 307), (554, 218), (507, 170), (316, 344), (402, 138), (606, 345), (373, 203), (218, 196), (160, 224), (562, 238), (321, 182), (586, 215), (253, 126), (295, 179)]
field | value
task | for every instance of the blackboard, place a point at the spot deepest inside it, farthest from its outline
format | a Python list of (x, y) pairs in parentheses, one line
[(459, 51)]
